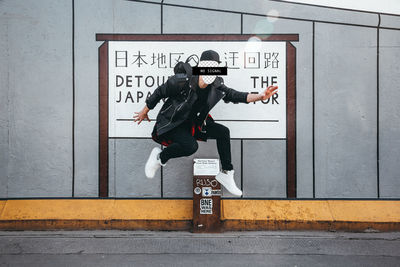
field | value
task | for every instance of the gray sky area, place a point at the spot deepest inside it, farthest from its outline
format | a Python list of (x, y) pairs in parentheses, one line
[(383, 6)]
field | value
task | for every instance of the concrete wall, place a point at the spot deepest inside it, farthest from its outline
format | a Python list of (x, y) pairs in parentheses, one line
[(93, 17), (345, 111), (347, 115), (36, 98), (389, 112)]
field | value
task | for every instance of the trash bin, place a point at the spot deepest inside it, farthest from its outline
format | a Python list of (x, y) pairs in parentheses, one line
[(206, 197)]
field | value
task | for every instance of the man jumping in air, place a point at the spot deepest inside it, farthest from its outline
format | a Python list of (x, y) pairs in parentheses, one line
[(184, 118)]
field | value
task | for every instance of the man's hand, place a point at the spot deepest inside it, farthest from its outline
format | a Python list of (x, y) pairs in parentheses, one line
[(270, 91), (139, 116)]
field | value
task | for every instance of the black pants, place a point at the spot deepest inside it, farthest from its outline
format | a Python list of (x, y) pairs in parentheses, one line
[(184, 144)]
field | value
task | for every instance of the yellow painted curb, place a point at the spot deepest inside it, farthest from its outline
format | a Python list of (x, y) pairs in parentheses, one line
[(175, 214), (2, 205), (312, 210), (97, 209), (365, 210), (290, 210)]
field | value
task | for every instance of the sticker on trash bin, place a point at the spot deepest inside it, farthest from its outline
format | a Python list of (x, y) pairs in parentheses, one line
[(197, 190), (216, 192), (206, 167), (206, 192), (205, 205)]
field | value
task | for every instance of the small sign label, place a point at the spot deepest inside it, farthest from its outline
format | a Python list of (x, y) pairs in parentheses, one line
[(197, 190), (206, 167), (206, 192), (216, 192), (206, 205)]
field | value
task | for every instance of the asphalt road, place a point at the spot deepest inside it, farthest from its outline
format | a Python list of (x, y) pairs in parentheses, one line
[(150, 248)]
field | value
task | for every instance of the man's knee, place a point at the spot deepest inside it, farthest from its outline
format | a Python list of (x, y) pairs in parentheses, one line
[(224, 131), (191, 148)]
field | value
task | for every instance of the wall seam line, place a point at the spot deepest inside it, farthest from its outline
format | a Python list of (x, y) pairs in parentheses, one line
[(115, 168), (241, 23), (73, 98), (162, 168), (8, 110), (246, 198), (313, 106), (241, 167), (162, 17), (330, 211), (162, 178), (377, 106)]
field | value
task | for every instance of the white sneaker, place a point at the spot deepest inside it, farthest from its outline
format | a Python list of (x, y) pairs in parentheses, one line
[(226, 179), (153, 163)]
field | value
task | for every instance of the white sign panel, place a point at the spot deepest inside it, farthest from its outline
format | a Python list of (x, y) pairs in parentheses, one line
[(137, 68), (206, 205), (206, 167)]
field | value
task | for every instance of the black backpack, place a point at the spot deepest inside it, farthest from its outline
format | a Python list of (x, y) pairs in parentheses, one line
[(183, 70)]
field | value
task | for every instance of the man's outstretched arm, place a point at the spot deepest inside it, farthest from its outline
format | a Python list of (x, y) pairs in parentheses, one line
[(235, 96), (270, 91), (167, 89), (141, 115)]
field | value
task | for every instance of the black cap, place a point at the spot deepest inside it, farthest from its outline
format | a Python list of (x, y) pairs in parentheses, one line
[(210, 55)]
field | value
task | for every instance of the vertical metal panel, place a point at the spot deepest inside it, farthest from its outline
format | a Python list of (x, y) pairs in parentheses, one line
[(304, 92), (345, 111), (389, 113), (37, 63)]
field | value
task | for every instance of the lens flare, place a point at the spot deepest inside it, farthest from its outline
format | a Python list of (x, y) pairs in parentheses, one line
[(253, 44), (263, 28), (272, 15)]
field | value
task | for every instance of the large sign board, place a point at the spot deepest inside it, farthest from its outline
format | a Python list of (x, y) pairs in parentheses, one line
[(131, 66), (137, 68)]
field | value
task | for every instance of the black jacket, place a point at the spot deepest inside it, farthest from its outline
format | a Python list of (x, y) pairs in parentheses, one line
[(181, 96)]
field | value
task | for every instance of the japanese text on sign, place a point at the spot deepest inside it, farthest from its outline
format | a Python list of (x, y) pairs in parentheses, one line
[(137, 68)]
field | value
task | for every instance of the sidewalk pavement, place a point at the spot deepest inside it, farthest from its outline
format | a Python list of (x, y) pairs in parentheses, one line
[(177, 248)]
